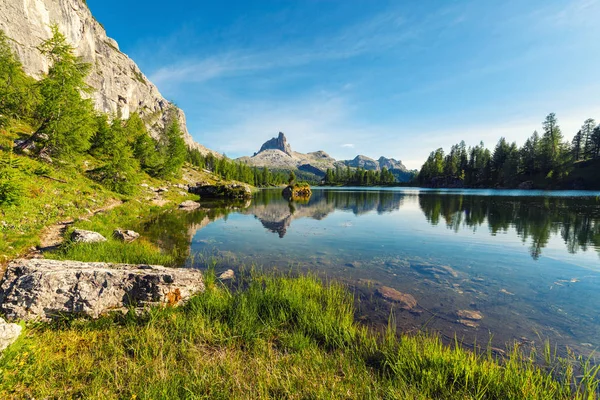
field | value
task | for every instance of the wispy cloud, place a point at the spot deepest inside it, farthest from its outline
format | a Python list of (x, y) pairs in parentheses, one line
[(348, 145), (377, 34)]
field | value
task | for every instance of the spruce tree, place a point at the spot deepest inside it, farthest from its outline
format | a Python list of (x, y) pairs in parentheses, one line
[(18, 93), (66, 119), (173, 149)]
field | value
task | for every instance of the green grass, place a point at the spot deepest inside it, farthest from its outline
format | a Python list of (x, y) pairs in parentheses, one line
[(45, 202), (279, 337), (138, 252)]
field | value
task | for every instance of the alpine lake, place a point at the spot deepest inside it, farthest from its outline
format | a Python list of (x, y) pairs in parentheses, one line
[(523, 266)]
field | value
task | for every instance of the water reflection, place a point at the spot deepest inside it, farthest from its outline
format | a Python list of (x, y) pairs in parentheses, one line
[(527, 263), (535, 219)]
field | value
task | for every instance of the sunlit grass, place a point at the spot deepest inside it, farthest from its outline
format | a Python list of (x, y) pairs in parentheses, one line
[(279, 337)]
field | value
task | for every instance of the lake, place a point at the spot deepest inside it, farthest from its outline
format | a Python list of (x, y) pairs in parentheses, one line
[(528, 262)]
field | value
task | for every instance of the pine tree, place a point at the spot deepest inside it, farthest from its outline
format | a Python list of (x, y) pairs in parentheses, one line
[(173, 150), (120, 169), (18, 93), (551, 143), (66, 119)]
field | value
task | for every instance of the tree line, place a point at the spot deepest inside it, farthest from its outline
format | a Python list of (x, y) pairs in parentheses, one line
[(545, 159), (358, 176), (234, 170)]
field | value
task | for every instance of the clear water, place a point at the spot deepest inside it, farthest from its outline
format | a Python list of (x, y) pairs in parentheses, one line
[(528, 261)]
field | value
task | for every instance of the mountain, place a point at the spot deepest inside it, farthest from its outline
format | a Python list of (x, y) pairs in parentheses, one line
[(277, 153), (118, 81)]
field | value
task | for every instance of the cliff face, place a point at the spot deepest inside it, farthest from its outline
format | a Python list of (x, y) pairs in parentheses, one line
[(279, 143), (118, 81)]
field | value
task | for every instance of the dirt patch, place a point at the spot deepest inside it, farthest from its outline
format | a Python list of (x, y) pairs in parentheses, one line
[(52, 236)]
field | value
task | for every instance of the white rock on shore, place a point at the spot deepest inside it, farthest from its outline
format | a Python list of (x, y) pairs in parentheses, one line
[(41, 289)]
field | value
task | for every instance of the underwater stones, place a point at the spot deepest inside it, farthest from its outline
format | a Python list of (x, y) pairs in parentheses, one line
[(406, 301), (469, 318), (126, 236), (83, 236), (353, 264), (189, 205), (429, 269), (227, 275), (468, 323), (467, 314), (8, 333), (40, 289)]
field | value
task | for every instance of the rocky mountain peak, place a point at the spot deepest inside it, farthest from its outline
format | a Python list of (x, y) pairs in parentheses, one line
[(277, 143)]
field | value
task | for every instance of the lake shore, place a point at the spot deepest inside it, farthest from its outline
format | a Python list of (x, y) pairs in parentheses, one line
[(241, 341)]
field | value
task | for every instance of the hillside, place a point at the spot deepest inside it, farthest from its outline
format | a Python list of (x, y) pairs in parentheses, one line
[(118, 82)]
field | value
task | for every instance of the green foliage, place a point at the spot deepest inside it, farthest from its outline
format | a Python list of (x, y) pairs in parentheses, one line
[(358, 177), (66, 121), (120, 169), (11, 191), (18, 93), (233, 170), (547, 159), (173, 151), (292, 178)]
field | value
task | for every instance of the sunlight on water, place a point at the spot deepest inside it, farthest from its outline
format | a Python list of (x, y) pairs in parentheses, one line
[(528, 262)]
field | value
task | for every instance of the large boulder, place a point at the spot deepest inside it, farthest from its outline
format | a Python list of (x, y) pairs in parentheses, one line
[(231, 191), (8, 333), (83, 236), (40, 289)]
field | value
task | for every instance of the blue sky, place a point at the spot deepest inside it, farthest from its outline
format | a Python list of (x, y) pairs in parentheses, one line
[(392, 78)]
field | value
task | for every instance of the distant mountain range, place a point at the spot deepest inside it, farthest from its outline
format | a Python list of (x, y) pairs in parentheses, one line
[(277, 154)]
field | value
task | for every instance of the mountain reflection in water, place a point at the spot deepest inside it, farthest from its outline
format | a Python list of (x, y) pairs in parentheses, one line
[(528, 262)]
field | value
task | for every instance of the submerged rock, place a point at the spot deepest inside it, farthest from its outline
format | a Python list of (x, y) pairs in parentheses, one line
[(429, 269), (227, 275), (406, 301), (44, 289), (8, 333), (126, 235), (468, 323), (83, 236), (189, 205), (468, 314)]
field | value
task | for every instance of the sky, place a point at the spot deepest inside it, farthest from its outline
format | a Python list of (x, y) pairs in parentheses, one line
[(379, 78)]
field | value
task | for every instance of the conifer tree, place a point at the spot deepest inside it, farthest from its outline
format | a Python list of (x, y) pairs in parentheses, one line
[(66, 119)]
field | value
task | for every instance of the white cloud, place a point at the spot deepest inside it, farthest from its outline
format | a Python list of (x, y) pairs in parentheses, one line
[(348, 145)]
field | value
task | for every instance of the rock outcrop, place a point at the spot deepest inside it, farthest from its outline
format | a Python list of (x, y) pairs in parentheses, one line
[(279, 143), (126, 235), (40, 289), (297, 192), (230, 191), (118, 81), (83, 236)]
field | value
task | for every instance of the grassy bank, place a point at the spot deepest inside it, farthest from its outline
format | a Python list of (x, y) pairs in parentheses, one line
[(280, 337)]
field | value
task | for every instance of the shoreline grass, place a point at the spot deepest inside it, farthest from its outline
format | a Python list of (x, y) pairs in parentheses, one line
[(278, 337)]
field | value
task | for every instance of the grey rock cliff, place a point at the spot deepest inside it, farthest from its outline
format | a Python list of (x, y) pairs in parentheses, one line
[(42, 289), (118, 81), (279, 143)]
